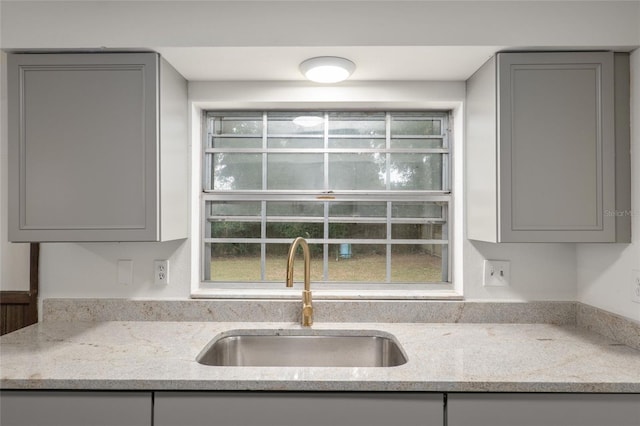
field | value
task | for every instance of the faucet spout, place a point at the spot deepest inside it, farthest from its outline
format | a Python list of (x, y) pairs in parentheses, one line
[(307, 306)]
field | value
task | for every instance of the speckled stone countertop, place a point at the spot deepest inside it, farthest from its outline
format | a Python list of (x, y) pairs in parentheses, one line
[(160, 355)]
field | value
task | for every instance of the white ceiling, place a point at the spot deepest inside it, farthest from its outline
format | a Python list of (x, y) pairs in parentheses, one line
[(432, 63)]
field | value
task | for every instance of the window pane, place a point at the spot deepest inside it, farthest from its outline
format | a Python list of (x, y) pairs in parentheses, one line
[(357, 171), (415, 126), (358, 209), (233, 208), (295, 208), (295, 124), (416, 210), (236, 143), (416, 171), (357, 230), (238, 125), (295, 171), (295, 229), (305, 154), (411, 143), (295, 143), (235, 262), (415, 231), (237, 171), (276, 263), (416, 263), (357, 124), (357, 262), (360, 143), (227, 229)]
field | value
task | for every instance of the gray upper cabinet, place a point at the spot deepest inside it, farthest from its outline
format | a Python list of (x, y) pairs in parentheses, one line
[(97, 148), (547, 148)]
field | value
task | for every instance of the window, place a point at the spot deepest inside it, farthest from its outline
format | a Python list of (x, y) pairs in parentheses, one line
[(370, 192)]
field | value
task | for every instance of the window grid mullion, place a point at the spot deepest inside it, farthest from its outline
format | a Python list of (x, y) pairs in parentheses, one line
[(387, 143), (432, 196), (205, 232), (325, 150), (325, 243), (446, 173), (446, 265), (388, 248), (325, 168), (375, 241), (205, 229), (325, 230), (209, 194), (263, 203), (387, 120), (263, 237), (265, 172)]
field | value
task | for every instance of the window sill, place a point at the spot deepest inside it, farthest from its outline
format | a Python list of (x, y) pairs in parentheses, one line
[(327, 294)]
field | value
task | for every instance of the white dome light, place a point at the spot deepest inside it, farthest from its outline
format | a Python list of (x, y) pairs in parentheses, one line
[(327, 69)]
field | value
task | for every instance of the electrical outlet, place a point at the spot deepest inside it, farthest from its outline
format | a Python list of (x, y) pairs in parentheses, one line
[(635, 277), (496, 273), (161, 272)]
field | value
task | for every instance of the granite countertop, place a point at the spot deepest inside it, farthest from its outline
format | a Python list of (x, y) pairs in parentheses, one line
[(160, 355)]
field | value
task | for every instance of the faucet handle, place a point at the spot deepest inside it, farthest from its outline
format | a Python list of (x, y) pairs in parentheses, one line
[(307, 309), (307, 316)]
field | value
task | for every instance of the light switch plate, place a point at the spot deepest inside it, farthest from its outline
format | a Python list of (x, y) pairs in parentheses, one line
[(496, 273), (635, 285), (125, 271)]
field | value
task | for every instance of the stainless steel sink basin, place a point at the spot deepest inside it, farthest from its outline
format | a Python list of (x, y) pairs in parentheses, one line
[(303, 348)]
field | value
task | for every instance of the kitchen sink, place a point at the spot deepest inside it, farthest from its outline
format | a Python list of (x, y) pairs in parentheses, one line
[(303, 348)]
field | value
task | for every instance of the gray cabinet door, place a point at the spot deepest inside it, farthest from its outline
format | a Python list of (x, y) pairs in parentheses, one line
[(83, 145), (53, 408), (556, 130), (543, 409), (297, 408), (547, 146)]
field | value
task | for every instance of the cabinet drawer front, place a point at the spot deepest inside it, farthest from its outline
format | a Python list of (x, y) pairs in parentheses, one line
[(294, 409), (52, 408), (543, 410)]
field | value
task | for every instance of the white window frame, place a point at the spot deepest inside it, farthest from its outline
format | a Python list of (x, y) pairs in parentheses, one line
[(338, 290)]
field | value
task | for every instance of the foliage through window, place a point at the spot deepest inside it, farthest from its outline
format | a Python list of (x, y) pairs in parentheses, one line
[(369, 192)]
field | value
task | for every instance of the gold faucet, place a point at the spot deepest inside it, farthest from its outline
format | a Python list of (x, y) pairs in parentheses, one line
[(307, 308)]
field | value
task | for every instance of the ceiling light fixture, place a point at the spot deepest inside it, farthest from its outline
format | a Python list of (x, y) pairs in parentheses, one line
[(327, 69)]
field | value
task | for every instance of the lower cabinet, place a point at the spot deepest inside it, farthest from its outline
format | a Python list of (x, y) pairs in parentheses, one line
[(245, 408), (82, 408), (298, 408), (475, 409)]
